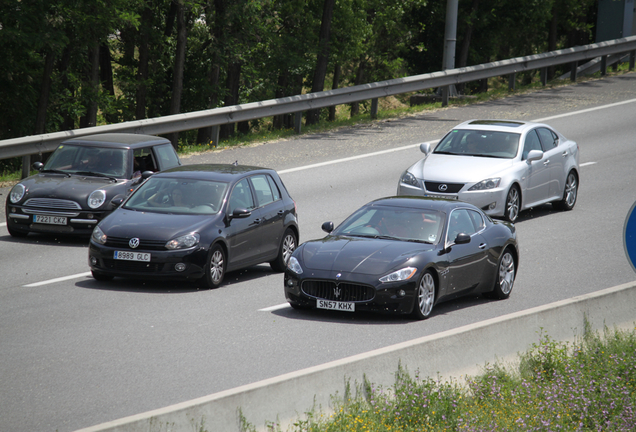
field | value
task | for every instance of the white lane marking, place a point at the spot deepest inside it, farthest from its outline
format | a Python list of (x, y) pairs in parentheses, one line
[(273, 308), (584, 111), (3, 224), (60, 279), (586, 164)]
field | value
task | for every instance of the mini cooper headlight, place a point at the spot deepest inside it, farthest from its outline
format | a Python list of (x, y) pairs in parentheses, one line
[(294, 265), (96, 198), (17, 193), (98, 235), (184, 241), (399, 275), (490, 183), (410, 179)]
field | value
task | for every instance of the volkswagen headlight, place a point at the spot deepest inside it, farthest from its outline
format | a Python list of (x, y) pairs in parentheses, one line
[(17, 193), (97, 198), (183, 242), (409, 179), (490, 183), (399, 275), (294, 265), (98, 235)]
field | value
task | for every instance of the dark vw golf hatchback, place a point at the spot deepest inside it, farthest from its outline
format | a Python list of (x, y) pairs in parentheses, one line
[(197, 222)]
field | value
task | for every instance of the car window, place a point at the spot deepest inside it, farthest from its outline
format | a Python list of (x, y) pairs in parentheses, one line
[(263, 189), (166, 156), (477, 219), (241, 197), (479, 143), (274, 188), (460, 222), (549, 139), (86, 160), (63, 158), (531, 143), (143, 160)]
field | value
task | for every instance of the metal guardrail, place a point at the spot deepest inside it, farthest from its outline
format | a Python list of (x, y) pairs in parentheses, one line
[(34, 144)]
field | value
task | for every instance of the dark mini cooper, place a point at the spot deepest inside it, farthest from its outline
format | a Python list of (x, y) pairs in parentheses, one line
[(74, 189), (404, 255), (197, 222)]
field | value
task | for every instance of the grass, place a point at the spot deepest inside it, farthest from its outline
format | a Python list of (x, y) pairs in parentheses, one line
[(588, 385), (392, 107)]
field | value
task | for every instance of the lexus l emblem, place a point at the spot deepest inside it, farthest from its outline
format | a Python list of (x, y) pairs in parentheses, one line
[(442, 187), (134, 242)]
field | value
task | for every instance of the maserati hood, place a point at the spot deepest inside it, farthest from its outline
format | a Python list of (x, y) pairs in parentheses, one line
[(358, 255), (458, 169)]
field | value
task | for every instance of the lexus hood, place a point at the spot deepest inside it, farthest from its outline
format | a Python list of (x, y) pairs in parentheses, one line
[(458, 169), (358, 255)]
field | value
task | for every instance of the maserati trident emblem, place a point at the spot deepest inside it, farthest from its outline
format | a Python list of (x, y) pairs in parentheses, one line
[(443, 187), (134, 242), (336, 291)]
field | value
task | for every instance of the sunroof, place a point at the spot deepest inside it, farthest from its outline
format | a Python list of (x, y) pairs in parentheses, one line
[(508, 123)]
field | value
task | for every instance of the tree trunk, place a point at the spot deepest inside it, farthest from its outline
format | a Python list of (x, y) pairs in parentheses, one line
[(462, 60), (106, 78), (337, 72), (179, 63), (355, 106), (552, 38), (142, 69), (318, 83), (92, 88), (232, 98), (43, 102)]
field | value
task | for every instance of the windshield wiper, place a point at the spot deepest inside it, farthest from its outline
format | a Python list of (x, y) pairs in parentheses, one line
[(56, 172), (95, 174)]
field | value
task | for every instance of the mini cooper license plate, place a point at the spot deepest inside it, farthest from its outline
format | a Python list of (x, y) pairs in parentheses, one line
[(132, 256), (50, 220), (336, 305)]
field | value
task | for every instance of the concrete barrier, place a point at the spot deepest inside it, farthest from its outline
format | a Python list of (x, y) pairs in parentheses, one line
[(454, 353)]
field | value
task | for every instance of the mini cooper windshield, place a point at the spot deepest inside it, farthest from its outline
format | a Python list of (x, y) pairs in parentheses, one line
[(74, 159), (184, 196), (492, 144), (397, 223)]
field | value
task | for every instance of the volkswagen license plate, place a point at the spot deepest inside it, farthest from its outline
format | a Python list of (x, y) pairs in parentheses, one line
[(336, 305), (50, 220), (132, 256)]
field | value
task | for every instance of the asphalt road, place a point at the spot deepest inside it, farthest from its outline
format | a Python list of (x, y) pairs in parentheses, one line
[(75, 352)]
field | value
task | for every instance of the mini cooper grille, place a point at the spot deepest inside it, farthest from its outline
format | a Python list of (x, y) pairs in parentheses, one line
[(437, 187), (341, 292), (132, 266), (52, 203), (122, 242)]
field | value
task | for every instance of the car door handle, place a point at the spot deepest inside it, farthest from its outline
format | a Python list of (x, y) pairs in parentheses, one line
[(546, 162), (565, 153), (257, 221), (281, 212), (482, 246)]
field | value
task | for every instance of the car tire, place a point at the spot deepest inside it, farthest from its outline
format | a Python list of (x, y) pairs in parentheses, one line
[(570, 192), (287, 246), (215, 268), (505, 277), (102, 277), (513, 204), (425, 296)]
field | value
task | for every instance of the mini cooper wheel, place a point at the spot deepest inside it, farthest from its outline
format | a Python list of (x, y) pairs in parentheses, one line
[(425, 296), (102, 277), (513, 204), (505, 276), (287, 246), (215, 269), (570, 193)]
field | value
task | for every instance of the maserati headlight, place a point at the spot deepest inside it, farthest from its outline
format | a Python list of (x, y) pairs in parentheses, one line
[(409, 179), (184, 241), (399, 275), (490, 183), (17, 193), (294, 265), (98, 235), (97, 198)]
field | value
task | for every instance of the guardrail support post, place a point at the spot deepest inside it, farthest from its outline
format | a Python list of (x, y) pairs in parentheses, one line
[(215, 135), (512, 81), (544, 76), (632, 56), (298, 120), (26, 166), (574, 65), (374, 108), (603, 65)]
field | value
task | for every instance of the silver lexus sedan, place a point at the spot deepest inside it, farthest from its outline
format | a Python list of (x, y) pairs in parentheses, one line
[(500, 166)]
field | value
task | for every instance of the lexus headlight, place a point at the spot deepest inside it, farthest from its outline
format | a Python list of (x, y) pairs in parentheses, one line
[(98, 236), (183, 242), (490, 183), (17, 193), (294, 265), (97, 198), (399, 275), (409, 179)]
